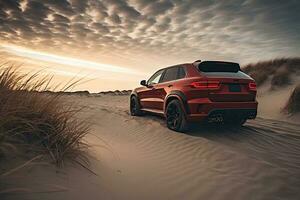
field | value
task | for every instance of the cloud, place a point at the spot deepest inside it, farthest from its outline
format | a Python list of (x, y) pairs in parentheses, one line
[(114, 19), (155, 8), (153, 32)]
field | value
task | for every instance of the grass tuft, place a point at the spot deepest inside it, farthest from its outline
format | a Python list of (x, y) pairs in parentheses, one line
[(293, 104), (281, 77), (278, 70), (38, 122)]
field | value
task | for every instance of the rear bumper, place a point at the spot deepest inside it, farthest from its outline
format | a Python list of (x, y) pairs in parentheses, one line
[(204, 110)]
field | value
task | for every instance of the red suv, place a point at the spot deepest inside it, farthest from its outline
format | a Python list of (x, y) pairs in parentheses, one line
[(213, 91)]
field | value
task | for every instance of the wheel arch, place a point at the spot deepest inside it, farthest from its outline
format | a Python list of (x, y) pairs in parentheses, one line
[(134, 93), (179, 96)]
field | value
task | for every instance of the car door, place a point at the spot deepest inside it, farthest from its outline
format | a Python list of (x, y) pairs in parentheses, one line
[(165, 85), (147, 95)]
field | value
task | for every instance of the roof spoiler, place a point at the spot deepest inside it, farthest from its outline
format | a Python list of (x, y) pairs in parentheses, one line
[(196, 62)]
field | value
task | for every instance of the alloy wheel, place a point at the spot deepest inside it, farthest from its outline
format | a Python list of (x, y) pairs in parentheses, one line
[(173, 116), (133, 106)]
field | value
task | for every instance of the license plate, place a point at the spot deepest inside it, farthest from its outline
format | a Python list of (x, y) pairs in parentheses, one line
[(234, 88)]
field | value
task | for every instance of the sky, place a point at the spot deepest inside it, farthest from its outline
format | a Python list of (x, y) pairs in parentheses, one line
[(113, 44)]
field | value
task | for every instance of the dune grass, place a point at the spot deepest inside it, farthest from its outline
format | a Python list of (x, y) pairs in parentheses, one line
[(293, 104), (281, 77), (278, 70), (36, 122)]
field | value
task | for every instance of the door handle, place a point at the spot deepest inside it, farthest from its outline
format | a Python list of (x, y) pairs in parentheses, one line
[(170, 85)]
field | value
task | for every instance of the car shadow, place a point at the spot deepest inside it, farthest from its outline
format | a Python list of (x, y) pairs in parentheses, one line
[(254, 139), (211, 130)]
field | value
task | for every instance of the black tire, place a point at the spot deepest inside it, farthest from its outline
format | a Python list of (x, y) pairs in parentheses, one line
[(176, 117), (135, 108)]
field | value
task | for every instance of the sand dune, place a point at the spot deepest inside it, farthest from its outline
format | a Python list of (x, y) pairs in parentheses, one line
[(139, 158)]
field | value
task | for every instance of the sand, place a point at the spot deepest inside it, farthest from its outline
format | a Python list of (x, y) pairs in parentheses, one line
[(139, 158)]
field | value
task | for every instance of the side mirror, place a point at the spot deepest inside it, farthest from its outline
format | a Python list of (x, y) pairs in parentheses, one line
[(143, 82)]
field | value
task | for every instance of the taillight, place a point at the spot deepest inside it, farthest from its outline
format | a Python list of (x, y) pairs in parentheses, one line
[(252, 86), (206, 84)]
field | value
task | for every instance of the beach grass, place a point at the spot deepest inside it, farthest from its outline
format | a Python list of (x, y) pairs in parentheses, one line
[(37, 122)]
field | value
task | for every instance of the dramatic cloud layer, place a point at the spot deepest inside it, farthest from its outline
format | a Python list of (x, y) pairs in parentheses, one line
[(149, 33)]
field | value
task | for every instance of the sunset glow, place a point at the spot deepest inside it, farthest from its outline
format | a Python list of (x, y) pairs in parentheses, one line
[(121, 42), (46, 57)]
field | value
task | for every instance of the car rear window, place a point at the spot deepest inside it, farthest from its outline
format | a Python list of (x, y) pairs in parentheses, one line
[(215, 66)]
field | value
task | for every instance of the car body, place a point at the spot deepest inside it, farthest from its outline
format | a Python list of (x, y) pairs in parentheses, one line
[(213, 91)]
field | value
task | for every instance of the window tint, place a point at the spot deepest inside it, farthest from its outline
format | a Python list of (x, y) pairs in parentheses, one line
[(155, 78), (181, 73), (171, 74), (216, 66)]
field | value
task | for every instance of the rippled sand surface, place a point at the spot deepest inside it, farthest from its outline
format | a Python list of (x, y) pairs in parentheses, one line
[(139, 158), (258, 161)]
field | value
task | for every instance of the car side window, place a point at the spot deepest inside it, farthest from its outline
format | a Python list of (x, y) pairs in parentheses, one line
[(170, 74), (155, 78), (181, 73)]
